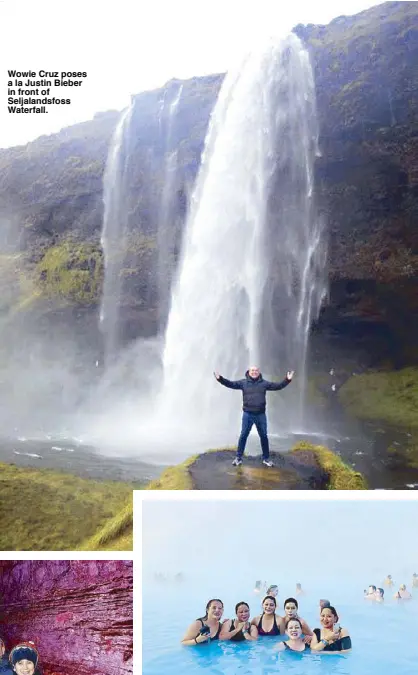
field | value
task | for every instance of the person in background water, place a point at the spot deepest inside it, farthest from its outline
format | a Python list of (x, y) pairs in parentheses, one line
[(291, 612), (268, 623), (379, 595), (206, 628), (370, 594), (257, 587), (295, 643), (299, 590), (322, 604), (331, 637), (402, 594), (254, 389), (415, 580), (388, 581), (24, 659), (5, 667), (240, 629), (273, 591)]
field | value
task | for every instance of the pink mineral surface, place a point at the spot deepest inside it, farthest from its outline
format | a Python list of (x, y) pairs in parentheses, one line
[(77, 612)]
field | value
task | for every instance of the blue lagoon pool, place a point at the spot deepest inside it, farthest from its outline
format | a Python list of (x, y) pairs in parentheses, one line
[(383, 635)]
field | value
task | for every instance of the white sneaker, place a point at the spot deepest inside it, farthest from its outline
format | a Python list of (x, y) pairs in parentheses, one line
[(237, 462), (267, 462)]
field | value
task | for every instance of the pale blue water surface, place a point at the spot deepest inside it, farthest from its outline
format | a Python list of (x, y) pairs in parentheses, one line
[(383, 635)]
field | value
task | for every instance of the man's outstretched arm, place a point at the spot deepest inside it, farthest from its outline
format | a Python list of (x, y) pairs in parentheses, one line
[(231, 384), (276, 386)]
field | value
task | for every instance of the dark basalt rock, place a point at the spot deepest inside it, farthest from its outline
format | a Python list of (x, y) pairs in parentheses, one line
[(214, 470)]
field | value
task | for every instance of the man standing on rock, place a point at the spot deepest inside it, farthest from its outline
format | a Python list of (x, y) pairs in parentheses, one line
[(254, 389)]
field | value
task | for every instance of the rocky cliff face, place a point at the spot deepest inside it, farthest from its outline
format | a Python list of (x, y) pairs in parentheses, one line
[(367, 179), (367, 89), (78, 613)]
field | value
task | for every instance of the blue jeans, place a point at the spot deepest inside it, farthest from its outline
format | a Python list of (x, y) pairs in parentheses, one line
[(260, 421)]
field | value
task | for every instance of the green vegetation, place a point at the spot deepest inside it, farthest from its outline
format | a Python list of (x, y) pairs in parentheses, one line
[(340, 476), (72, 271), (175, 477), (116, 535), (388, 396), (44, 510)]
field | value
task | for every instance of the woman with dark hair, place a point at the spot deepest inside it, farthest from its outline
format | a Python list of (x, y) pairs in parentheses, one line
[(208, 627), (294, 631), (243, 630), (268, 623), (331, 637), (379, 595), (24, 659), (291, 612)]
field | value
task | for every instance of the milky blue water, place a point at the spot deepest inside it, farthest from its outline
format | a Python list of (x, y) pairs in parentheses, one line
[(383, 635)]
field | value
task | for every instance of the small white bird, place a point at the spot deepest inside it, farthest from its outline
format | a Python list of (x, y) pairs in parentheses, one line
[(331, 372), (334, 387)]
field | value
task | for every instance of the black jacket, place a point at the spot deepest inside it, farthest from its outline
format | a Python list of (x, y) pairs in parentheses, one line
[(253, 391)]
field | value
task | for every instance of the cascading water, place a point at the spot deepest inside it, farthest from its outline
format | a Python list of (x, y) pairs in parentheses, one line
[(252, 272), (167, 227), (114, 233)]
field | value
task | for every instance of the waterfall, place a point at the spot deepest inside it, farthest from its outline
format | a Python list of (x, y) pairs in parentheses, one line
[(114, 233), (251, 278), (168, 225)]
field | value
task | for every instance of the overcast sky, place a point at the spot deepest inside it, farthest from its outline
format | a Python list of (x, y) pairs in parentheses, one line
[(128, 46), (366, 538)]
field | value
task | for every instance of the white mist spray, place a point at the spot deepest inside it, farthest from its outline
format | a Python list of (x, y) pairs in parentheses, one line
[(252, 225)]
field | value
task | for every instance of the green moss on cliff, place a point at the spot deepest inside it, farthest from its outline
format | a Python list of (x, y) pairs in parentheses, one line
[(340, 476), (116, 535), (72, 271), (44, 510), (388, 396), (175, 477)]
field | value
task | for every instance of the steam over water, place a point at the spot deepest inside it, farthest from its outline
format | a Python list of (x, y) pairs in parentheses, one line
[(252, 272)]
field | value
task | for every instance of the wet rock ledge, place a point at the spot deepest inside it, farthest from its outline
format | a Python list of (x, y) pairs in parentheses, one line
[(305, 467)]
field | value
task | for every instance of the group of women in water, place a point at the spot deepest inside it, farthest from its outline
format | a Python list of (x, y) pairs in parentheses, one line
[(329, 637), (22, 659)]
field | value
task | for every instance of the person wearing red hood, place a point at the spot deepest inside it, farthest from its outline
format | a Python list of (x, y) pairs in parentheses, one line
[(254, 389)]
